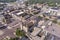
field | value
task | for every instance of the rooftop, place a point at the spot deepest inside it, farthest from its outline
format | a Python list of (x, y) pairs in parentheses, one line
[(53, 29), (36, 31), (28, 24), (20, 13), (1, 25), (50, 37), (55, 8)]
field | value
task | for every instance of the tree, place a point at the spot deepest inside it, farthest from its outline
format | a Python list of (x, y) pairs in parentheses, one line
[(26, 3), (36, 1), (44, 15), (14, 38), (4, 20), (59, 23), (46, 19), (20, 33), (40, 17), (54, 21), (7, 1)]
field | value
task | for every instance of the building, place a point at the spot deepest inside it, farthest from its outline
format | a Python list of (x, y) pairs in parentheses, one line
[(28, 26), (51, 37), (1, 18), (2, 26), (54, 11), (53, 29)]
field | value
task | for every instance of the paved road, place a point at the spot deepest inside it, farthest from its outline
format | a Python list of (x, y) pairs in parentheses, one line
[(53, 29), (10, 32)]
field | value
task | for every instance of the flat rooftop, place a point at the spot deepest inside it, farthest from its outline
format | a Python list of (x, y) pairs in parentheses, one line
[(50, 37), (13, 23), (53, 29), (36, 31)]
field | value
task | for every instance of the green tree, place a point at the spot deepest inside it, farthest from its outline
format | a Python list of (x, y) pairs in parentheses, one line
[(7, 1), (20, 33), (46, 19), (54, 21), (14, 38), (44, 15), (50, 2), (40, 17)]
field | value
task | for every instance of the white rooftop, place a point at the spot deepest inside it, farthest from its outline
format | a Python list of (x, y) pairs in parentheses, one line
[(43, 27), (50, 23), (20, 13), (36, 31)]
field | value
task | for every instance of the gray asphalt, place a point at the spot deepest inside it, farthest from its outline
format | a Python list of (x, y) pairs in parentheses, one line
[(9, 32)]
